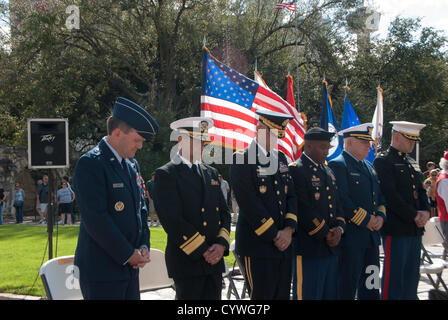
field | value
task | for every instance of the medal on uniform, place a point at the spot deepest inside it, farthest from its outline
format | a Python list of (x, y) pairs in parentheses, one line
[(317, 196), (415, 195), (119, 206), (263, 189), (286, 189)]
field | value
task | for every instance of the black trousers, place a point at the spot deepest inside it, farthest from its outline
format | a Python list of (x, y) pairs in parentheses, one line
[(208, 287), (269, 279), (113, 290)]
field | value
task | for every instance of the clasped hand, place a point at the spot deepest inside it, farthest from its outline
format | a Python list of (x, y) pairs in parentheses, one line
[(283, 238), (139, 258), (214, 254), (375, 223), (421, 218)]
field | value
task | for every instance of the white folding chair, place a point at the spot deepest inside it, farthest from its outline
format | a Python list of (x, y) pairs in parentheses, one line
[(432, 266), (154, 275), (61, 279), (436, 221)]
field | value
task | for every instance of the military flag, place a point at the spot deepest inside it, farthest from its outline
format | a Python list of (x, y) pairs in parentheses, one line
[(328, 122), (377, 132), (231, 99)]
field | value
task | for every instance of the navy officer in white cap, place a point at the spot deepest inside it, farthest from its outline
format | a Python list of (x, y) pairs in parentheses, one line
[(113, 239), (407, 213), (365, 212), (191, 207)]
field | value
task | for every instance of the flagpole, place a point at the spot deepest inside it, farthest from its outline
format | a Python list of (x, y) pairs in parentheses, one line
[(297, 59)]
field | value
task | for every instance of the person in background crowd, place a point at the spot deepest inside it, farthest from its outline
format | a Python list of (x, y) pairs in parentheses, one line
[(154, 220), (72, 214), (442, 199), (19, 199), (224, 187), (407, 213), (2, 204), (43, 198), (430, 184), (235, 207), (64, 198), (429, 167)]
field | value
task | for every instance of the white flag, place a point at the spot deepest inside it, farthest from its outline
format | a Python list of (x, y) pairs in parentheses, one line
[(377, 119)]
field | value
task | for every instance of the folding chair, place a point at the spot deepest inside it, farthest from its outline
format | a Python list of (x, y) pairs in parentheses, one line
[(154, 275), (432, 266), (234, 274), (230, 277), (436, 221), (61, 279)]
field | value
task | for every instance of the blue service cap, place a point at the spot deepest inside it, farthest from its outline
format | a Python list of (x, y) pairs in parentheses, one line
[(136, 117)]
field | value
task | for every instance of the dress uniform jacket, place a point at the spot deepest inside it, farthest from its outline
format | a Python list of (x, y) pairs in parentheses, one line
[(319, 208), (194, 214), (404, 193), (109, 202), (144, 208), (361, 197), (267, 203)]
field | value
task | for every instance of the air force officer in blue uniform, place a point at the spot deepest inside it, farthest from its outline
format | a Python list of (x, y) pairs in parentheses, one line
[(365, 212), (113, 238)]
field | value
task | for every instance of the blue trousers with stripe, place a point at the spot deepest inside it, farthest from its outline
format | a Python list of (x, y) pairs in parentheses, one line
[(269, 279), (355, 274), (401, 271), (316, 278)]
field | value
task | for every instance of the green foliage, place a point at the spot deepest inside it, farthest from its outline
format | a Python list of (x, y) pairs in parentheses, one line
[(25, 249), (150, 52)]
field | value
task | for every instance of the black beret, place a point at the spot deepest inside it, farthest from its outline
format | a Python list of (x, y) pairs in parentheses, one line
[(317, 133)]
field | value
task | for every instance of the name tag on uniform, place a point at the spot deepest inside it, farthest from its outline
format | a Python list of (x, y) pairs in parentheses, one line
[(354, 174), (118, 185)]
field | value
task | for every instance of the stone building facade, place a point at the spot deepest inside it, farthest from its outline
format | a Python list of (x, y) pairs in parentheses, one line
[(14, 169)]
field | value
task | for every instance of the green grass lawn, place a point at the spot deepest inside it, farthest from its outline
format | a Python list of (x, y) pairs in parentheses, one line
[(23, 249)]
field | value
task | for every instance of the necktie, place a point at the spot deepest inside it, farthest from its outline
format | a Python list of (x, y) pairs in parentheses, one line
[(363, 167), (125, 168), (195, 169)]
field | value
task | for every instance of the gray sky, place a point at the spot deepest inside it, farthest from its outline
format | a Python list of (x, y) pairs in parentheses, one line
[(433, 13)]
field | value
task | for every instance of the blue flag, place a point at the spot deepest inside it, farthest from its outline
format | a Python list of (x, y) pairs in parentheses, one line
[(328, 122), (349, 117)]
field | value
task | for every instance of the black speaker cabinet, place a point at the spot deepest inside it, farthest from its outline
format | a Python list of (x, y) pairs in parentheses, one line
[(47, 143)]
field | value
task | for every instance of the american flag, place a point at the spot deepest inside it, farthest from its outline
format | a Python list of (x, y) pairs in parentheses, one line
[(231, 99), (290, 5)]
